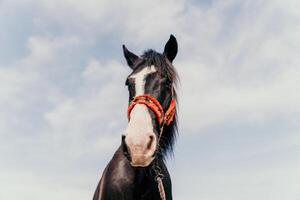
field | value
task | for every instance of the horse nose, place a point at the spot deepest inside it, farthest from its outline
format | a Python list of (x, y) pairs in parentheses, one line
[(142, 142), (139, 147)]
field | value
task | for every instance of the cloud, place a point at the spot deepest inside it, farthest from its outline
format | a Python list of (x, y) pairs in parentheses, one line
[(250, 74), (50, 129), (255, 183), (257, 102), (63, 99)]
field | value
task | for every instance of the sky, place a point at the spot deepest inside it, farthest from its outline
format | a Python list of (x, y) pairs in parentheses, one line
[(63, 97)]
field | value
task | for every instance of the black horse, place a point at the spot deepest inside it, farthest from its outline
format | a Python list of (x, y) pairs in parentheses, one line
[(137, 170)]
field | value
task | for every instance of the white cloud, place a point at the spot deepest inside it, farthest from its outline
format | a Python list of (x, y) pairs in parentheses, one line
[(79, 118), (60, 104), (249, 74), (212, 102), (45, 128), (31, 186), (256, 183)]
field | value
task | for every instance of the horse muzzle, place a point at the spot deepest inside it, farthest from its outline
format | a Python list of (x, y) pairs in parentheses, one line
[(140, 150)]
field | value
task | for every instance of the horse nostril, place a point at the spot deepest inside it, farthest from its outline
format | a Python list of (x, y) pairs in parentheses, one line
[(150, 142)]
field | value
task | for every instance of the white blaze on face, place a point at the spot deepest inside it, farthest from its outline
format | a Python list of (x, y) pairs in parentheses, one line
[(140, 119), (140, 128), (140, 79)]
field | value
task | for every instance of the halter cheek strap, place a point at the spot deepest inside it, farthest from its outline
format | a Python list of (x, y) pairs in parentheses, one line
[(163, 118)]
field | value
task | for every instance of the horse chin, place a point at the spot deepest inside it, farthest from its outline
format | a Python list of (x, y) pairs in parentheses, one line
[(141, 162)]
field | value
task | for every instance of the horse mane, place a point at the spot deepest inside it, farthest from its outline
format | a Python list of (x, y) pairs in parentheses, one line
[(165, 67)]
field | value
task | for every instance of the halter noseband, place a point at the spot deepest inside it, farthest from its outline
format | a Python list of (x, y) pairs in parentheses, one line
[(163, 118)]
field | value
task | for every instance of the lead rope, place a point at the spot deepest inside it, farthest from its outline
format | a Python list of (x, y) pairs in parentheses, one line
[(159, 176), (161, 188)]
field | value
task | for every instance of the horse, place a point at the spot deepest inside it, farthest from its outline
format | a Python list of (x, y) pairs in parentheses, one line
[(137, 170)]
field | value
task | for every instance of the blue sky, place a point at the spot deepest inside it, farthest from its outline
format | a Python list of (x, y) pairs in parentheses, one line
[(63, 99)]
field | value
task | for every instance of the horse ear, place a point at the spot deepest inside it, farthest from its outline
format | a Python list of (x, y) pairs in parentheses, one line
[(171, 48), (131, 58)]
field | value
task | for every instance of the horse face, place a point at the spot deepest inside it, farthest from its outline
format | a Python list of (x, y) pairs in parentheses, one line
[(140, 134), (140, 139)]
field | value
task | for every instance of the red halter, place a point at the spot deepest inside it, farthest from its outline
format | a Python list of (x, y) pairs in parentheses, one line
[(152, 103)]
